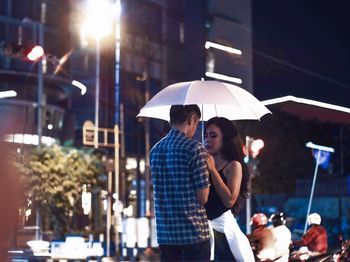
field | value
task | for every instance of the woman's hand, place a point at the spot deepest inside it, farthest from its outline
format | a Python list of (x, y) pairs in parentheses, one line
[(210, 163)]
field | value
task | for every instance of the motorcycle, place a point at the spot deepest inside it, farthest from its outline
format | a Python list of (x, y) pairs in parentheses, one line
[(304, 254), (343, 255)]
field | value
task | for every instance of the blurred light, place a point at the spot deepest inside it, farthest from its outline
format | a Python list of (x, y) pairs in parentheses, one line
[(81, 86), (228, 49), (50, 126), (29, 139), (18, 150), (28, 212), (319, 147), (36, 53), (44, 62), (118, 9), (9, 93), (131, 163), (142, 165), (38, 245), (256, 145), (224, 77), (128, 211), (246, 159), (118, 207), (105, 204), (133, 192), (99, 18), (86, 200)]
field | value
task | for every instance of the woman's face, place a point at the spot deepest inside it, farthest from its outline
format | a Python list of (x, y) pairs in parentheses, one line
[(213, 139)]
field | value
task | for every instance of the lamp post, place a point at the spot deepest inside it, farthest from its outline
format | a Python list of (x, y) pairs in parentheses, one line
[(98, 23), (99, 18), (319, 149)]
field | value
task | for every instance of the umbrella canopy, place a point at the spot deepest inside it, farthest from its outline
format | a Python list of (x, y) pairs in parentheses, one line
[(213, 97)]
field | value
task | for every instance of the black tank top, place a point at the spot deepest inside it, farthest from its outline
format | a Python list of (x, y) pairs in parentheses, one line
[(214, 205)]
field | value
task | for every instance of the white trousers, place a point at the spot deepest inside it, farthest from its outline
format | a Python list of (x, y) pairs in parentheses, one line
[(237, 241)]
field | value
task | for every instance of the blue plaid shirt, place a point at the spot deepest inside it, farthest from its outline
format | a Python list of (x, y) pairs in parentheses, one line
[(178, 170)]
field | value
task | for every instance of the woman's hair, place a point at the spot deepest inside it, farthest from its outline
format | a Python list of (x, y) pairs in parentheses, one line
[(232, 149)]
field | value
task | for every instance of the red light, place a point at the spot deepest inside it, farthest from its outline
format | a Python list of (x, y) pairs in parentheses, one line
[(36, 53)]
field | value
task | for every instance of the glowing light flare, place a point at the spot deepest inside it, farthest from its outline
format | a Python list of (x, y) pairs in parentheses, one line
[(100, 15), (224, 77), (81, 86), (118, 10), (36, 53), (257, 145), (225, 48), (319, 147), (9, 93)]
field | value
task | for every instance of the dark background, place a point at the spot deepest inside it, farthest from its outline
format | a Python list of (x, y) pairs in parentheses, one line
[(301, 48)]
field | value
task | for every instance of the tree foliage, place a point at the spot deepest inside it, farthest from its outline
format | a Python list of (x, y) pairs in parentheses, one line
[(53, 178)]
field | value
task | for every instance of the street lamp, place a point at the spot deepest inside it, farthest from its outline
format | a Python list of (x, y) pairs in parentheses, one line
[(100, 15), (98, 23)]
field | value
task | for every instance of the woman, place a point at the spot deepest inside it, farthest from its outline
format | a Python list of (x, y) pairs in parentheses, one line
[(229, 188)]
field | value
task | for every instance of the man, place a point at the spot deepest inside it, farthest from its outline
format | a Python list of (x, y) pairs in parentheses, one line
[(262, 238), (315, 238), (181, 188), (282, 236)]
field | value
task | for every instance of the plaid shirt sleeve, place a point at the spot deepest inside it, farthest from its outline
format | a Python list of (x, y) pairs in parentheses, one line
[(200, 173)]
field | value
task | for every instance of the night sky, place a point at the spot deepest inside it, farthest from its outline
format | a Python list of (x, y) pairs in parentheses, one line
[(302, 48)]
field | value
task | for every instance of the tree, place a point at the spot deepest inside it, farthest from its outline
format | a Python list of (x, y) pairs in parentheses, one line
[(53, 178)]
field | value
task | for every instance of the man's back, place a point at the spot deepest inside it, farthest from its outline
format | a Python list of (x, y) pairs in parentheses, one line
[(282, 237), (178, 170), (263, 238), (316, 239)]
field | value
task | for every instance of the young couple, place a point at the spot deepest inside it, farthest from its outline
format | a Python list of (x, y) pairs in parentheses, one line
[(193, 184)]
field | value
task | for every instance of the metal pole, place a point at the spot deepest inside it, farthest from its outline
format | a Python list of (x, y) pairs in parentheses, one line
[(97, 91), (312, 189), (117, 64), (117, 117), (40, 96), (109, 212), (40, 90), (116, 172), (248, 200)]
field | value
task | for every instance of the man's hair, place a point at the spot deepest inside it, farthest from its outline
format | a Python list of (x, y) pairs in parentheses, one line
[(180, 113)]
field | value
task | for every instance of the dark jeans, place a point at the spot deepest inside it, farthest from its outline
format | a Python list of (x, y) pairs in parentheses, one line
[(191, 252)]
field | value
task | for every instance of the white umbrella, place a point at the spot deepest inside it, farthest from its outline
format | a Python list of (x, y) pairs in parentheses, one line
[(213, 97)]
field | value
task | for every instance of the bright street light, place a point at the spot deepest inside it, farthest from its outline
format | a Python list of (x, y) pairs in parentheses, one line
[(9, 93), (99, 18)]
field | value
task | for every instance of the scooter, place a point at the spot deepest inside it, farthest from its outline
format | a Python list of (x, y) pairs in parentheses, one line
[(303, 254), (343, 255)]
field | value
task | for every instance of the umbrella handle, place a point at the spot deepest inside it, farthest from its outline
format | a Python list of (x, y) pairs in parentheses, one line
[(202, 125)]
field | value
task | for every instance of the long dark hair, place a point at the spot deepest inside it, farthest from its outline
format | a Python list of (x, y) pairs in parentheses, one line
[(232, 149)]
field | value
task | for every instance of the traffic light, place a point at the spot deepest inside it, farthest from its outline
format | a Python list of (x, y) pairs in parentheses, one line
[(23, 52), (35, 53)]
